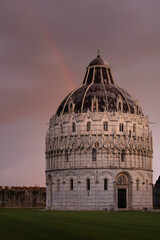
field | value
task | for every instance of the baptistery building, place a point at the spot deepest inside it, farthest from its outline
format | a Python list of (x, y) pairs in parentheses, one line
[(99, 148)]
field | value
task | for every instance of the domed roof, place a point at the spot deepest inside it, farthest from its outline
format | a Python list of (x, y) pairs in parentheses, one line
[(98, 61), (99, 93)]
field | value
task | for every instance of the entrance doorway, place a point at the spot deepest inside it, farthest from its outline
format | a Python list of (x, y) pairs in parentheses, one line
[(122, 198)]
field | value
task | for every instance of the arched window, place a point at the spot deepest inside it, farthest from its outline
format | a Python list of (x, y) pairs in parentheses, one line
[(88, 184), (137, 184), (105, 126), (94, 154), (120, 106), (134, 128), (58, 185), (123, 156), (105, 184), (88, 126), (73, 127), (130, 132), (71, 184), (122, 179), (66, 155)]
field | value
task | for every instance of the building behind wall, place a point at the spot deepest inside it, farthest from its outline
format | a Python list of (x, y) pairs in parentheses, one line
[(99, 148), (22, 197)]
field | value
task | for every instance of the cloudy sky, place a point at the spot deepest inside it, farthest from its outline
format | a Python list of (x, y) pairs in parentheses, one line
[(45, 46)]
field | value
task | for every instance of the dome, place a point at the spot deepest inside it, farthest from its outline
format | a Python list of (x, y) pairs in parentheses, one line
[(98, 148), (99, 93), (98, 61)]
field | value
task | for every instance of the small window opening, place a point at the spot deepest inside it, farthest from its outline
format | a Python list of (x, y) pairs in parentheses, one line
[(58, 185), (120, 108), (137, 184), (94, 155), (88, 184), (71, 184), (105, 184), (134, 128), (66, 155), (73, 127), (123, 156), (88, 126), (105, 126), (121, 127), (71, 106)]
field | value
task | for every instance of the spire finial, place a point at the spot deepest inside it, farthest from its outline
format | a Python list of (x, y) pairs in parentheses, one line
[(98, 53)]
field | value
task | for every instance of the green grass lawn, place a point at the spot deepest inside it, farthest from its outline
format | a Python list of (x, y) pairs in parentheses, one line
[(23, 224)]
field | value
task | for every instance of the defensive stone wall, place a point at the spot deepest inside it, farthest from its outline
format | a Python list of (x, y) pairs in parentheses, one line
[(22, 197)]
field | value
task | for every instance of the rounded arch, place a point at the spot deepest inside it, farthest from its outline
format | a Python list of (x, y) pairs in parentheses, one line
[(149, 176), (87, 174), (57, 176), (106, 174), (70, 173), (139, 176), (122, 179), (124, 173)]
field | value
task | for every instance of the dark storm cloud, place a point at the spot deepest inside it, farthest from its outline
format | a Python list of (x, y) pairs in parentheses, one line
[(32, 83)]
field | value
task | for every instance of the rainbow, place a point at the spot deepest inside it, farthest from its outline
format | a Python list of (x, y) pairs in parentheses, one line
[(63, 69)]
